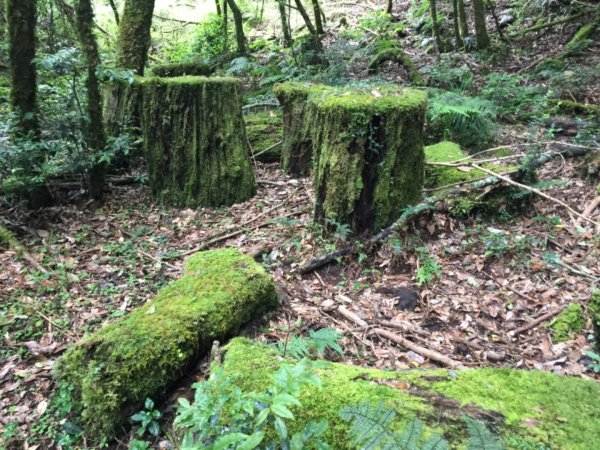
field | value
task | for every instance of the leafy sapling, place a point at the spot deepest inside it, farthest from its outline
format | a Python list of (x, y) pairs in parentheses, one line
[(148, 419)]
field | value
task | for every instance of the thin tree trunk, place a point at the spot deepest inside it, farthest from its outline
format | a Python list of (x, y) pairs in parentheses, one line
[(457, 38), (481, 34), (225, 27), (390, 6), (462, 18), (436, 26), (133, 41), (239, 28), (84, 19), (287, 35), (115, 10), (22, 18), (218, 5), (309, 26), (318, 16)]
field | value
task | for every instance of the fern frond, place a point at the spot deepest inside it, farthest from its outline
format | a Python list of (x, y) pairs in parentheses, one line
[(325, 338), (411, 435), (435, 442), (480, 438), (371, 427)]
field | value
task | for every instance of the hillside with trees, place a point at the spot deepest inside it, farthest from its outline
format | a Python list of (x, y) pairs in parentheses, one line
[(294, 224)]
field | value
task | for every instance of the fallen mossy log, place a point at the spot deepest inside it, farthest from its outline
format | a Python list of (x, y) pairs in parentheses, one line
[(540, 407), (195, 142), (114, 369), (368, 155)]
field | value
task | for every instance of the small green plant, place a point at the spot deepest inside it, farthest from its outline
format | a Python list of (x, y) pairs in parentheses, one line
[(136, 444), (316, 344), (372, 429), (595, 361), (222, 416), (341, 231), (429, 269), (148, 419)]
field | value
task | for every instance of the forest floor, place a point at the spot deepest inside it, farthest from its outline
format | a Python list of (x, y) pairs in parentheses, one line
[(490, 277)]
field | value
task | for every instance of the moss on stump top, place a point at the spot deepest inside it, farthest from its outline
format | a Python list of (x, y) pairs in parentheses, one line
[(376, 99), (181, 69), (114, 369), (539, 407)]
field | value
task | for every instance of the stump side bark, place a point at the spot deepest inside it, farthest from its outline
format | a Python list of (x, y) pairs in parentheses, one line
[(368, 155), (195, 142), (297, 151), (121, 106), (138, 356)]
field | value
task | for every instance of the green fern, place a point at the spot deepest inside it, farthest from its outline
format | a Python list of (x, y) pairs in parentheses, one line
[(371, 429), (316, 344)]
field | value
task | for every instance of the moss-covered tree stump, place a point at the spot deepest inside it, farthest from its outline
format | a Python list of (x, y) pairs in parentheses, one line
[(527, 406), (114, 369), (121, 106), (297, 151), (195, 142), (182, 69), (368, 161)]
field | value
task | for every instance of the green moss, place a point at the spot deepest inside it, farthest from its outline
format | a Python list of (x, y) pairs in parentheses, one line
[(571, 107), (264, 130), (390, 51), (181, 69), (568, 323), (561, 412), (140, 355), (195, 141), (133, 40), (437, 176)]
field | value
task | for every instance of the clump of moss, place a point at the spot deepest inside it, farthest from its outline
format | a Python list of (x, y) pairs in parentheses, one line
[(114, 369), (568, 323), (390, 51), (181, 69), (438, 176), (264, 130), (538, 406)]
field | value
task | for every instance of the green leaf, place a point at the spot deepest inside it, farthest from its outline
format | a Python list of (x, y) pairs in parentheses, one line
[(262, 416), (252, 441), (281, 429), (154, 429), (282, 411), (138, 417), (435, 442), (227, 440), (149, 404)]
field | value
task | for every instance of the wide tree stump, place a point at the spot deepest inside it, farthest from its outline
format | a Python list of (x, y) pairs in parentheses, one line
[(297, 151), (121, 106), (114, 369), (368, 155), (195, 142)]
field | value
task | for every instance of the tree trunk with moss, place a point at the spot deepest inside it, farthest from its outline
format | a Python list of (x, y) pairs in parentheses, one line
[(481, 34), (457, 38), (318, 13), (296, 154), (122, 107), (462, 18), (285, 28), (436, 26), (141, 355), (369, 160), (96, 139), (239, 28), (318, 46), (133, 40), (195, 143), (21, 18)]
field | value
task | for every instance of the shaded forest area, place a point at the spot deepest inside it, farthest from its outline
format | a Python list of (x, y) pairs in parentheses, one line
[(290, 224)]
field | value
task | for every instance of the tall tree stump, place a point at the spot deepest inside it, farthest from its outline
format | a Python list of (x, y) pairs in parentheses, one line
[(369, 160), (195, 142), (296, 154), (121, 106)]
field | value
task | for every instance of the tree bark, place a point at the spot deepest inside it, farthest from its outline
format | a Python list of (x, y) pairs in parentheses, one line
[(390, 6), (84, 19), (287, 35), (22, 19), (481, 34), (309, 25), (133, 41), (457, 38), (239, 28), (318, 16), (436, 26), (218, 5), (462, 18), (115, 10)]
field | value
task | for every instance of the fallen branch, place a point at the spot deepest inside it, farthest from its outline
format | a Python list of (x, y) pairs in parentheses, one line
[(551, 24), (428, 353), (9, 238), (535, 322), (587, 212), (267, 149), (263, 104)]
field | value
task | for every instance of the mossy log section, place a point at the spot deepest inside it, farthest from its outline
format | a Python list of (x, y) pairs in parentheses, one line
[(181, 69), (369, 159), (395, 54), (121, 106), (114, 369), (296, 154), (195, 142), (560, 412)]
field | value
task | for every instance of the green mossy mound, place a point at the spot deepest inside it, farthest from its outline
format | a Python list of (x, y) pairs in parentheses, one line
[(390, 51), (368, 154), (140, 355), (568, 323), (560, 412), (181, 69), (195, 142), (297, 151), (265, 131)]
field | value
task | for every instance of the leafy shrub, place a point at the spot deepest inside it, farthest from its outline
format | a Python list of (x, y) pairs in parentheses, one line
[(222, 416), (469, 121), (457, 79), (513, 97)]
